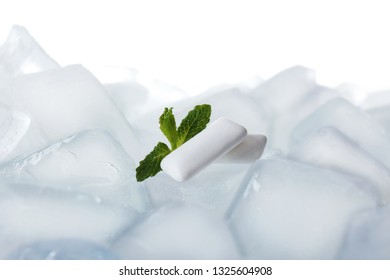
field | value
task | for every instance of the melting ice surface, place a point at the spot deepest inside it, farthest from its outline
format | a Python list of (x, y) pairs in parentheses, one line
[(70, 143)]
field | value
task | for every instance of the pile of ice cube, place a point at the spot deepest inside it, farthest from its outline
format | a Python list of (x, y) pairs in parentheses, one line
[(70, 143)]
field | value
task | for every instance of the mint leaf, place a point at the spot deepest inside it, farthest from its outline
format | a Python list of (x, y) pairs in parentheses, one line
[(168, 127), (193, 123), (150, 165)]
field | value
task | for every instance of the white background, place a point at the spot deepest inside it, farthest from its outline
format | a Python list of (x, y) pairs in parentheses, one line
[(195, 44)]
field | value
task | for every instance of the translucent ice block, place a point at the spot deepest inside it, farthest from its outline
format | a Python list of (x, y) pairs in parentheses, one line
[(177, 232), (130, 97), (329, 148), (285, 89), (287, 210), (124, 89), (284, 123), (376, 100), (354, 123), (213, 189), (368, 237), (91, 161), (62, 249), (382, 116), (66, 101), (286, 99), (21, 54), (13, 126), (30, 214), (234, 104)]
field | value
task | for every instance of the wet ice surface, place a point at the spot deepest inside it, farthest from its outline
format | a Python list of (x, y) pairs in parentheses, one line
[(331, 149), (30, 213), (70, 141), (354, 123), (368, 236), (178, 232), (287, 210), (62, 249), (210, 190), (91, 161), (66, 101), (13, 126)]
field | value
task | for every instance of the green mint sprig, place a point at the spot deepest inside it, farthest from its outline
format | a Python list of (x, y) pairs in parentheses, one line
[(195, 121)]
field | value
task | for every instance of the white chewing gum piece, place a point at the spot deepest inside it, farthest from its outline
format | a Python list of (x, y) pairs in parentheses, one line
[(204, 148), (248, 151)]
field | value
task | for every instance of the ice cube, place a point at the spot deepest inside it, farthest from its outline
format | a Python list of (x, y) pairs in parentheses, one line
[(91, 161), (158, 96), (161, 92), (288, 210), (108, 75), (330, 148), (13, 126), (121, 84), (65, 101), (352, 93), (177, 232), (21, 54), (286, 99), (29, 214), (351, 121), (368, 237), (377, 105), (284, 123), (285, 89), (250, 83), (376, 100), (63, 249), (382, 116), (130, 97), (233, 104), (213, 189)]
